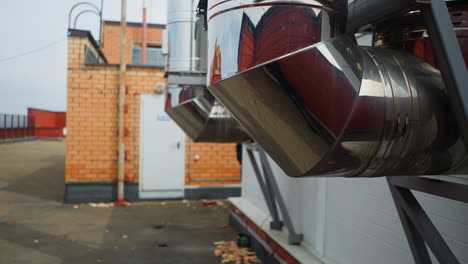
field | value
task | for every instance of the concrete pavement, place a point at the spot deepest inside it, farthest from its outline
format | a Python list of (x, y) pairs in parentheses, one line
[(36, 227)]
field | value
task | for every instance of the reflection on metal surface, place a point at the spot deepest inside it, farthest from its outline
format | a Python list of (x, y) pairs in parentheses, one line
[(335, 109), (365, 12), (414, 38), (188, 102), (240, 38), (202, 117), (321, 105)]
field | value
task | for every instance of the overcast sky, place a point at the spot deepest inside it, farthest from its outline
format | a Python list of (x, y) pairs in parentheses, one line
[(33, 47)]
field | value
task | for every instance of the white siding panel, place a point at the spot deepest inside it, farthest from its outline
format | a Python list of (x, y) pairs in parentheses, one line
[(300, 195), (363, 210), (360, 224)]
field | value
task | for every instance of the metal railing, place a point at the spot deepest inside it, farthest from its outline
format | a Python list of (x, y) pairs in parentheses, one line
[(16, 126)]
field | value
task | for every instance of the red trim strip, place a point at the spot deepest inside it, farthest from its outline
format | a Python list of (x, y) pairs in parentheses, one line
[(222, 2), (264, 4)]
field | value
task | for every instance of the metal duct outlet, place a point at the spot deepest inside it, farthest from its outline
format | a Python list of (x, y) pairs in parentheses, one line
[(189, 103), (202, 117), (336, 109)]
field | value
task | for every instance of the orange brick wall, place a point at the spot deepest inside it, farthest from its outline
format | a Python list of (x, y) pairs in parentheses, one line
[(92, 115), (217, 164), (218, 161), (111, 40)]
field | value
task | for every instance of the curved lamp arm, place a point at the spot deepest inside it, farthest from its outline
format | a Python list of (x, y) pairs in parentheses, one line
[(83, 12), (98, 11)]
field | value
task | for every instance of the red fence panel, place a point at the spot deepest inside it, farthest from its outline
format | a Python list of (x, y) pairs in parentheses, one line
[(38, 123), (16, 126)]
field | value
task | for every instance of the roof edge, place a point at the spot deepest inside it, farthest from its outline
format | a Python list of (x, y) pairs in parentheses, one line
[(134, 24), (87, 34), (45, 110)]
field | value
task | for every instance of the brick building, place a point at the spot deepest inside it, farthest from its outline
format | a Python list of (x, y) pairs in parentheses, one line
[(92, 121)]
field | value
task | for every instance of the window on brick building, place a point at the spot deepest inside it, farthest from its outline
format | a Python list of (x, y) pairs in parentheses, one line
[(90, 58), (154, 56)]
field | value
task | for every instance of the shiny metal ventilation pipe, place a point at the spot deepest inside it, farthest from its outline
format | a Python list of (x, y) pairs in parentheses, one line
[(202, 117), (365, 12), (321, 105), (187, 42), (189, 103)]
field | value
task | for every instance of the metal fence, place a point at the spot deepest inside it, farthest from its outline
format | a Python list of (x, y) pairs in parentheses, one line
[(16, 126)]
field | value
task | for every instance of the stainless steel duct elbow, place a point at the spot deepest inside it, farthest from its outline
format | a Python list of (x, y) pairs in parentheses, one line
[(189, 103), (332, 108), (202, 117)]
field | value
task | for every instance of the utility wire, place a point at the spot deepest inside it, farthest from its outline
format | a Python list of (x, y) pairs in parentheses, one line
[(32, 51)]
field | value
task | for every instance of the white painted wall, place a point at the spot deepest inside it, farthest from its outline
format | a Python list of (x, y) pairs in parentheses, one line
[(354, 221)]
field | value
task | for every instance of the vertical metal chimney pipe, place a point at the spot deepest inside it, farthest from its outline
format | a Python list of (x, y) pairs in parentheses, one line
[(123, 68), (144, 37)]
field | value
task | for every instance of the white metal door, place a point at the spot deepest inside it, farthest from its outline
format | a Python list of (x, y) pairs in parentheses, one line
[(162, 148)]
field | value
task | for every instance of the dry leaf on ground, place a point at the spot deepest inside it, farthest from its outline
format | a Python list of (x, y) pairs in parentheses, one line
[(230, 252), (101, 205)]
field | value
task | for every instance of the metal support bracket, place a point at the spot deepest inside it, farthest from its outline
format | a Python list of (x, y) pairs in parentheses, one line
[(276, 224), (418, 227), (449, 59), (272, 194)]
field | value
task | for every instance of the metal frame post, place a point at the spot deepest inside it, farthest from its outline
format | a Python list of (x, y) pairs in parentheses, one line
[(418, 227), (272, 195), (294, 238), (7, 131), (12, 126), (449, 59), (10, 131), (276, 224), (5, 127), (18, 127), (24, 126)]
